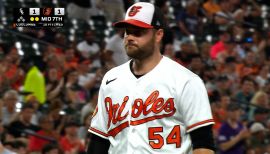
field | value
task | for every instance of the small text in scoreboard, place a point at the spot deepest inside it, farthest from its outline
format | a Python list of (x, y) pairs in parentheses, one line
[(38, 17)]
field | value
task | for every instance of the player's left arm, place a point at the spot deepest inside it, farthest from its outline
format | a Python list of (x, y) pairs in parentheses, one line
[(202, 140), (195, 108)]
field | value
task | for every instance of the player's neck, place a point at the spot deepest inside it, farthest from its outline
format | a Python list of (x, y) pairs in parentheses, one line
[(141, 67)]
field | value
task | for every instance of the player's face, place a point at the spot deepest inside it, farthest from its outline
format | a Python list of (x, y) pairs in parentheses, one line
[(139, 42)]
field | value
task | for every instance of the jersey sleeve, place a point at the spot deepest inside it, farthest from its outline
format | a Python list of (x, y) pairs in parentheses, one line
[(194, 105), (99, 120)]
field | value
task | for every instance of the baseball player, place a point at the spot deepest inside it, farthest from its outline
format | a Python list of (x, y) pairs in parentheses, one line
[(151, 104)]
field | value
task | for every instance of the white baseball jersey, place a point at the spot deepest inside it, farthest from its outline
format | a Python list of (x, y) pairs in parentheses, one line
[(151, 114)]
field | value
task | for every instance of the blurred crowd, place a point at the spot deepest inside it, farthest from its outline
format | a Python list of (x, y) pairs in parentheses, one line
[(46, 100)]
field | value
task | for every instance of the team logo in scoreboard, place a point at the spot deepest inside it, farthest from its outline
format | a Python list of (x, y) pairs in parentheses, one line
[(38, 17), (47, 11), (21, 11)]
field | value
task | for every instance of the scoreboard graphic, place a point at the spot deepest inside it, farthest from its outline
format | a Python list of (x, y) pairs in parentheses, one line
[(38, 17)]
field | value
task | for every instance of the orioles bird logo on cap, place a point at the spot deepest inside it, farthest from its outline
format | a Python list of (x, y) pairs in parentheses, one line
[(134, 10), (47, 11)]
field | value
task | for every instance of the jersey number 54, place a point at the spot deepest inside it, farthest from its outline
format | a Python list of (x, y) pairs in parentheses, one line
[(156, 141)]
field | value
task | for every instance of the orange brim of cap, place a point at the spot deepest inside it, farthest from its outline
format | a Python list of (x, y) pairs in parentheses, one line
[(122, 24)]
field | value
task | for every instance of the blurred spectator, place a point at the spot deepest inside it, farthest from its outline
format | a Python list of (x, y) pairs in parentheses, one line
[(224, 102), (32, 100), (79, 9), (70, 142), (260, 99), (258, 140), (61, 41), (187, 49), (4, 150), (54, 86), (47, 34), (13, 73), (16, 147), (164, 7), (259, 43), (55, 111), (188, 20), (115, 48), (9, 146), (267, 149), (87, 79), (71, 59), (224, 18), (220, 112), (260, 115), (223, 85), (268, 125), (91, 105), (211, 8), (263, 76), (21, 126), (217, 118), (1, 123), (57, 62), (51, 149), (3, 81), (89, 49), (209, 79), (246, 44), (220, 46), (72, 88), (204, 50), (247, 91), (267, 49), (113, 9), (14, 56), (8, 110), (232, 134), (196, 65), (253, 15), (230, 72), (83, 133), (169, 51), (46, 135), (249, 66)]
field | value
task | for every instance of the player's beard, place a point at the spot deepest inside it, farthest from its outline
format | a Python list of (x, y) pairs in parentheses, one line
[(136, 51)]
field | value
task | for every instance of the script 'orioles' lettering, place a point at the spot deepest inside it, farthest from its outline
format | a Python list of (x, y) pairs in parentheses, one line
[(153, 104)]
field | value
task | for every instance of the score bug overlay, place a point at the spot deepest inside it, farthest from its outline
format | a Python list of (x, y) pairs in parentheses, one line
[(38, 17)]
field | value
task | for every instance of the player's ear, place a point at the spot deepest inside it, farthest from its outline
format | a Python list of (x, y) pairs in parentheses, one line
[(159, 35)]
